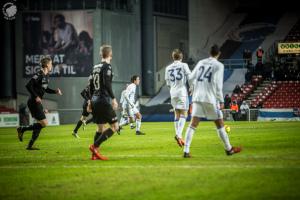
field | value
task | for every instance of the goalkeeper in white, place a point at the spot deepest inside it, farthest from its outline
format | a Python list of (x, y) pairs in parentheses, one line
[(176, 76), (207, 78), (132, 109)]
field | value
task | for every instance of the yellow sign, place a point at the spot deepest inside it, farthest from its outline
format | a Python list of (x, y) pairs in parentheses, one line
[(289, 48)]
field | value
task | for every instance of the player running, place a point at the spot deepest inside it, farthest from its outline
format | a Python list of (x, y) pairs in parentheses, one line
[(103, 103), (208, 99), (176, 76), (132, 109), (37, 86), (85, 93), (124, 115)]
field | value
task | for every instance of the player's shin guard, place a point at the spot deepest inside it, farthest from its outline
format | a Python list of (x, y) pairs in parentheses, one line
[(224, 137), (138, 124), (79, 123), (104, 136), (35, 134), (188, 138), (181, 124)]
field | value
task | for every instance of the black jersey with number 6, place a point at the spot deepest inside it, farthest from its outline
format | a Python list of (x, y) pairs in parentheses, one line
[(101, 81)]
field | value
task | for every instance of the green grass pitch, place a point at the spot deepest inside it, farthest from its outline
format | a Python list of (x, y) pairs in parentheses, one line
[(151, 166)]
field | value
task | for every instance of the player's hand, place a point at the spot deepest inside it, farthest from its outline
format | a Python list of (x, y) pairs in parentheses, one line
[(38, 100), (114, 104), (89, 107), (221, 106), (58, 91)]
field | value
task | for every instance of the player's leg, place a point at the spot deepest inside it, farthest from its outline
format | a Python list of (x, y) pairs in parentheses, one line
[(176, 119), (101, 136), (138, 124), (89, 121), (229, 150), (131, 117), (181, 105), (189, 136), (216, 114), (36, 132), (103, 114), (179, 125), (124, 118), (181, 122), (78, 125), (197, 112)]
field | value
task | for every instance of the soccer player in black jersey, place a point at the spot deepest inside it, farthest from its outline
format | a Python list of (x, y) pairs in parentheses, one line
[(86, 96), (37, 86), (103, 103)]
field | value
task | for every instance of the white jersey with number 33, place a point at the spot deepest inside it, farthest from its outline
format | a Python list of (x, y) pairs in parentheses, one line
[(207, 78), (176, 76)]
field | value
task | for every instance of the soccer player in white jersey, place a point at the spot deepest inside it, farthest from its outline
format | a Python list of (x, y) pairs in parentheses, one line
[(176, 76), (132, 109), (207, 78), (124, 118)]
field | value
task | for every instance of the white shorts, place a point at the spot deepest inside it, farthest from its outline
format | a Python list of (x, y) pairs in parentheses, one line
[(206, 110), (132, 111), (180, 103)]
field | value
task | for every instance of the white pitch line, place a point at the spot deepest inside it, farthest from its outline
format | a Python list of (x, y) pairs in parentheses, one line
[(151, 166)]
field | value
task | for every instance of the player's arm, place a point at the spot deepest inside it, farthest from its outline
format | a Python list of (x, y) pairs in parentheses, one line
[(219, 84), (193, 75), (126, 96), (51, 91), (187, 70)]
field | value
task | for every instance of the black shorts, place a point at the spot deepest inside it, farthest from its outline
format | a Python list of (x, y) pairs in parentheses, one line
[(102, 111), (36, 109), (84, 107)]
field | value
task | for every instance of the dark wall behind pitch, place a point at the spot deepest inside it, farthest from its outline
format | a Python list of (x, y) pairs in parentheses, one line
[(121, 30)]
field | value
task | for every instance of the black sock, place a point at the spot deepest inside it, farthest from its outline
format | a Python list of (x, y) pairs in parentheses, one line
[(104, 136), (31, 127), (97, 135), (89, 121), (35, 134), (79, 123)]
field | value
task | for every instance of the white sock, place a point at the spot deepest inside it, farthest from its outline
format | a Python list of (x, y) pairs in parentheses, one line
[(176, 126), (181, 124), (224, 137), (188, 138), (138, 123)]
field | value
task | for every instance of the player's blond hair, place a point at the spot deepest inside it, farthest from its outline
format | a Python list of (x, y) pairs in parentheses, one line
[(45, 60), (105, 50), (177, 54)]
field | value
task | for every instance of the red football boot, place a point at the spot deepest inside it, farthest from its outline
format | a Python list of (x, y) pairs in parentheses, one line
[(96, 153)]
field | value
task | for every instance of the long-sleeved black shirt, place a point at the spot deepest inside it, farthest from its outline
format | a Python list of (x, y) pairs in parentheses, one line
[(101, 81), (38, 85)]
